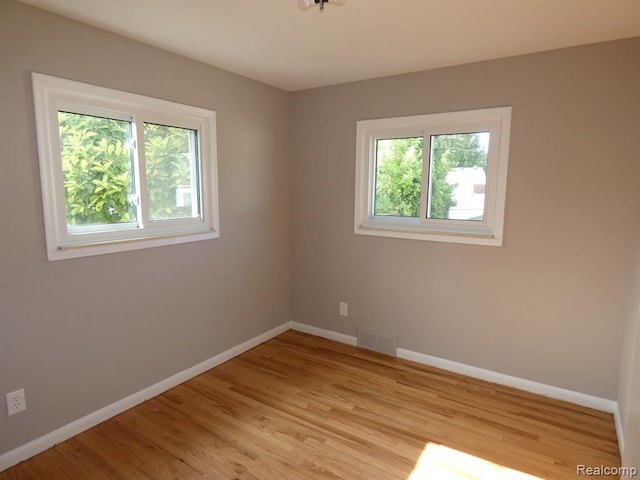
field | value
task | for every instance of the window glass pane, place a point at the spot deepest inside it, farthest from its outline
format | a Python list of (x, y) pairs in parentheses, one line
[(97, 167), (173, 184), (398, 176), (458, 176)]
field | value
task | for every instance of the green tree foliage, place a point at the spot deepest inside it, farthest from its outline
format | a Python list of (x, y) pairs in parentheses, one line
[(399, 177), (168, 154), (97, 165), (461, 150), (399, 172), (441, 191)]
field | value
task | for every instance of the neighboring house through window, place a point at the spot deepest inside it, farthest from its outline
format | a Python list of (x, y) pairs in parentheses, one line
[(439, 177)]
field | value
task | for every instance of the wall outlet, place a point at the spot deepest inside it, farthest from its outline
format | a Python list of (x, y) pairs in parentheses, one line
[(344, 309), (16, 402)]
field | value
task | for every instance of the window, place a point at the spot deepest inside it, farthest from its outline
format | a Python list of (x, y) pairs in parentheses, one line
[(439, 177), (121, 171)]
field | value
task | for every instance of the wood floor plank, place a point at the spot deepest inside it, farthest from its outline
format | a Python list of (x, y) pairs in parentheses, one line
[(302, 407)]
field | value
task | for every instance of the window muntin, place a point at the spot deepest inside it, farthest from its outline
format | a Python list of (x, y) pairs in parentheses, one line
[(461, 184), (121, 171)]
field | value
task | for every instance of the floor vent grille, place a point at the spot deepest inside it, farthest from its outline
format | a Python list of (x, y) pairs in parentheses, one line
[(377, 343)]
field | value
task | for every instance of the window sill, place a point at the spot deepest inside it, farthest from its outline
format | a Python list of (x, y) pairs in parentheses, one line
[(61, 252), (417, 233)]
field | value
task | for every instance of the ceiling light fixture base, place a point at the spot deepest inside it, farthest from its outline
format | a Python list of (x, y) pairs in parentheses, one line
[(306, 4)]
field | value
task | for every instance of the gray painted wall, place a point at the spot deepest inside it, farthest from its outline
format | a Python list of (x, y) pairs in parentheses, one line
[(80, 334), (629, 386), (549, 305)]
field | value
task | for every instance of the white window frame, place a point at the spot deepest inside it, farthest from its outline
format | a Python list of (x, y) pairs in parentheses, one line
[(489, 231), (51, 95)]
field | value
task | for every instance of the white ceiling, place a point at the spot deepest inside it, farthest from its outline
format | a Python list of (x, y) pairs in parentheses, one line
[(274, 42)]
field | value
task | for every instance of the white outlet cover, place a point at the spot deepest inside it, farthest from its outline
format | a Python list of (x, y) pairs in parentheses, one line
[(344, 309), (16, 402)]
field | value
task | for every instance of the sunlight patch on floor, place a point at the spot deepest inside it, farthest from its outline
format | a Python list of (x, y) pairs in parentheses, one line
[(438, 462)]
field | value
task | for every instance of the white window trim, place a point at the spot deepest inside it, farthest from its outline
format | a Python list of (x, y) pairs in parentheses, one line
[(487, 232), (52, 94)]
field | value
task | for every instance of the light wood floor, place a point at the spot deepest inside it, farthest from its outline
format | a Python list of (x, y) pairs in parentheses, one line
[(300, 407)]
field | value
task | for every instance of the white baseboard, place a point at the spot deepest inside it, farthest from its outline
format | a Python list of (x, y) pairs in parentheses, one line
[(619, 427), (557, 393), (578, 398), (28, 450), (583, 399), (321, 332), (61, 434)]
